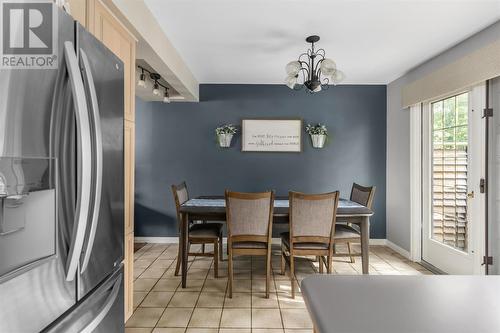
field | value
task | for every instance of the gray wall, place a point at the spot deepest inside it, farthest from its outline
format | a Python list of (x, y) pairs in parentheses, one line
[(176, 142), (398, 135)]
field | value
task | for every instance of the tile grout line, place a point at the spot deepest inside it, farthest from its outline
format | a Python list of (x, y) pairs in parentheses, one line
[(175, 291), (251, 293), (199, 295), (139, 305), (148, 292)]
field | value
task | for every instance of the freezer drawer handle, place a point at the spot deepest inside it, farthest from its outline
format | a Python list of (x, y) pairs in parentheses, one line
[(96, 120), (85, 160), (105, 308)]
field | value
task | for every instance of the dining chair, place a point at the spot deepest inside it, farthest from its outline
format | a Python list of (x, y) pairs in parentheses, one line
[(200, 233), (347, 233), (312, 227), (249, 219)]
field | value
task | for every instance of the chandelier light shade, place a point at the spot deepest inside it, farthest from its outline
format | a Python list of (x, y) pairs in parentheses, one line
[(312, 70)]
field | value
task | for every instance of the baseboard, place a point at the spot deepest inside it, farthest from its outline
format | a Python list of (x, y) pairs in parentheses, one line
[(157, 240), (378, 241), (175, 240), (398, 249)]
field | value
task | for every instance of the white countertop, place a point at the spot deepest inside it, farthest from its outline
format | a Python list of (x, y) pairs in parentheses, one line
[(400, 304)]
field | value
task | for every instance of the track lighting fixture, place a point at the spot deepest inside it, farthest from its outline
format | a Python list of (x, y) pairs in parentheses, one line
[(142, 79), (155, 77), (166, 97)]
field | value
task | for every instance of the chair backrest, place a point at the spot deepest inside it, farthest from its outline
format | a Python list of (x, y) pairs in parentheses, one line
[(181, 195), (249, 216), (363, 195), (313, 217)]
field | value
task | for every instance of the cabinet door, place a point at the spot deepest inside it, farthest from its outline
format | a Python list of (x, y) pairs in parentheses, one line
[(129, 153), (129, 275), (108, 29)]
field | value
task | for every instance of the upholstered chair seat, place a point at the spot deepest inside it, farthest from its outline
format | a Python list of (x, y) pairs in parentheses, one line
[(346, 231), (285, 238)]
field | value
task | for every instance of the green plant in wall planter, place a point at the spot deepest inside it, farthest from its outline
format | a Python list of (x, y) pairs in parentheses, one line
[(225, 134), (318, 134)]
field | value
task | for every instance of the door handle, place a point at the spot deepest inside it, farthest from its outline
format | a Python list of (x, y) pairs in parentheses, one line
[(103, 311), (85, 160), (97, 154)]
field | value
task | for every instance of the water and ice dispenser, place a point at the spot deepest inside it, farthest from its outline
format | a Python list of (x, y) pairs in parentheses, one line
[(28, 223)]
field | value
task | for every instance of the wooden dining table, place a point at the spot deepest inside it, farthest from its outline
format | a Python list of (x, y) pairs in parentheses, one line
[(213, 208)]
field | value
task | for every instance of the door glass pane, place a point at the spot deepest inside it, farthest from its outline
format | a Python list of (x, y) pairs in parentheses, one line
[(449, 171)]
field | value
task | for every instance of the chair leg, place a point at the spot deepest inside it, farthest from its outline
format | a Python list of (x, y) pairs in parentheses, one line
[(221, 247), (178, 264), (230, 273), (292, 275), (203, 248), (320, 262), (283, 261), (329, 264), (268, 270), (349, 250), (216, 258)]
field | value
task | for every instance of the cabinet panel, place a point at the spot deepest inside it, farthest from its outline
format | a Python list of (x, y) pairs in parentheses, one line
[(129, 275), (129, 153), (78, 10)]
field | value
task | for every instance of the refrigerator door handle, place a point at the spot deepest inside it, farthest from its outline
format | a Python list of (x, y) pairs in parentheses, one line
[(103, 311), (85, 158), (97, 153)]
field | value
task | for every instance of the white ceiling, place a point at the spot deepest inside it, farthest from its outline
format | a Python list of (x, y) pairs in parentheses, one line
[(372, 41)]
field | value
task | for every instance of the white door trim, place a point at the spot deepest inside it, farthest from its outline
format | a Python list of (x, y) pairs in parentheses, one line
[(478, 103)]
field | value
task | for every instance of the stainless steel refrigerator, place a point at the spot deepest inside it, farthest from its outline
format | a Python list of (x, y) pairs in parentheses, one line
[(61, 190)]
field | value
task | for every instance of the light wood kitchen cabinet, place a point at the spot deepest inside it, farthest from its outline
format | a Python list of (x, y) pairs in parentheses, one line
[(129, 275), (78, 10), (129, 153), (106, 27)]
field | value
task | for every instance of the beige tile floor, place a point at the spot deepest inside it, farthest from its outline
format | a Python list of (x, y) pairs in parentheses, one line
[(162, 306)]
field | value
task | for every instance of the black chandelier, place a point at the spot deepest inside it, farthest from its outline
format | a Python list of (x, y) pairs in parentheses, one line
[(312, 70)]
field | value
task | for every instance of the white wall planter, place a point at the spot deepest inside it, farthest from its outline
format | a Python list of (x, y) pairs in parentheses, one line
[(318, 140), (224, 140)]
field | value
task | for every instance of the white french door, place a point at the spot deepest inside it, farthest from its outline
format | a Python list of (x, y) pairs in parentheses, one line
[(453, 160)]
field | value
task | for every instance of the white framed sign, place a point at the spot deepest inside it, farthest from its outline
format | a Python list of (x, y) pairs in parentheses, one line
[(271, 135)]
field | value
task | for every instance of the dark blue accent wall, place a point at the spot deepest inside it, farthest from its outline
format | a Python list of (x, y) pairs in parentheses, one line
[(176, 142)]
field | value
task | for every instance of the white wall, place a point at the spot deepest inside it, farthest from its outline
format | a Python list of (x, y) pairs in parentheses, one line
[(398, 132)]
